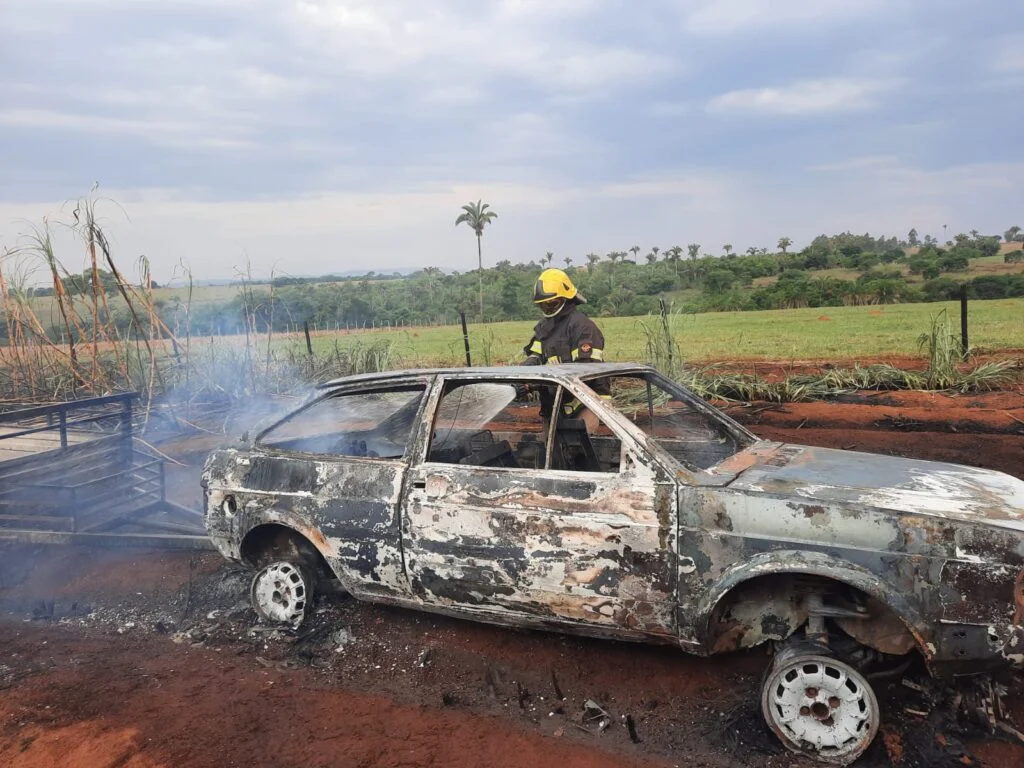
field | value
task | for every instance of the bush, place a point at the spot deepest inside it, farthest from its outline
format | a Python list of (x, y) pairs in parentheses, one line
[(941, 289), (918, 264), (988, 246), (989, 287), (954, 262), (793, 276), (719, 281)]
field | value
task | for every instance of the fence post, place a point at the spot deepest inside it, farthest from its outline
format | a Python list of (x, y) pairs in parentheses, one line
[(465, 337), (963, 320), (309, 344)]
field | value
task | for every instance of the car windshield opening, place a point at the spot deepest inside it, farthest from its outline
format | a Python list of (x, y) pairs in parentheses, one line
[(690, 435), (365, 424)]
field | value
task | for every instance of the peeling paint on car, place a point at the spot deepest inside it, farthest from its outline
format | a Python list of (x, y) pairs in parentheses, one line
[(901, 553)]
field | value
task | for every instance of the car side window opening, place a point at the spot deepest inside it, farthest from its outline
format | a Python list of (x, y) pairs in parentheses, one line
[(582, 442), (490, 424), (502, 424), (692, 437), (375, 424)]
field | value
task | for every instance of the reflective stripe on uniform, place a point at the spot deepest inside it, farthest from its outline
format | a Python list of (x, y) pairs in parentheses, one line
[(536, 348), (594, 352), (574, 406), (553, 360)]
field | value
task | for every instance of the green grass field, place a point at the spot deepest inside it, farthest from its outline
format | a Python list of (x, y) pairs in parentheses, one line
[(832, 333)]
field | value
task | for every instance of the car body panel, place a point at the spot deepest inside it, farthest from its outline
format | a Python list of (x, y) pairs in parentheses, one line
[(592, 551)]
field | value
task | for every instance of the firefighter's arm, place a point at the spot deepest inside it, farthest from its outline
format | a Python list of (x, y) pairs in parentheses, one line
[(589, 345), (534, 353)]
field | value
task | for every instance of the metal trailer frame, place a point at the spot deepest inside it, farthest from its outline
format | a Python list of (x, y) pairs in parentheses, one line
[(99, 484)]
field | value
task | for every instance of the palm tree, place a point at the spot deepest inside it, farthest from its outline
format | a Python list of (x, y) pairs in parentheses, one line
[(592, 259), (673, 255), (568, 262), (652, 258), (477, 217), (635, 250), (727, 248), (784, 243), (548, 258), (693, 251), (613, 257)]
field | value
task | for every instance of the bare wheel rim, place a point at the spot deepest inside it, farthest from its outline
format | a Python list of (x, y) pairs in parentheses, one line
[(820, 707), (280, 593)]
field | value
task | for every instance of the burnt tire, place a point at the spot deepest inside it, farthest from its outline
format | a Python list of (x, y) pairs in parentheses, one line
[(282, 592), (820, 707)]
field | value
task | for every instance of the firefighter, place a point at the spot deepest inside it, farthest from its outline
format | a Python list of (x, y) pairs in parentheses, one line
[(564, 335)]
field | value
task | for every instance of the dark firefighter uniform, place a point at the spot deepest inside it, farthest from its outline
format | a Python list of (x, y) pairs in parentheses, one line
[(564, 335), (568, 337)]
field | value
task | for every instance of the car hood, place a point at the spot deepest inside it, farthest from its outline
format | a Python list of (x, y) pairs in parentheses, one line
[(885, 482)]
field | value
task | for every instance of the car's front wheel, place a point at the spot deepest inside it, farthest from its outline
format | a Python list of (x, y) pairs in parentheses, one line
[(282, 592), (820, 707)]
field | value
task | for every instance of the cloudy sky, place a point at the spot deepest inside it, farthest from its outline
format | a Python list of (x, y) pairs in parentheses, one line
[(323, 135)]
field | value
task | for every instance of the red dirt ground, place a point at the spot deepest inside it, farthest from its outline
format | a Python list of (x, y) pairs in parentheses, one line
[(148, 659), (151, 704), (984, 430)]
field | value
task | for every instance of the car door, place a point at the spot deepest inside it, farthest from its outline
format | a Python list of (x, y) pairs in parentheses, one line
[(334, 471), (492, 532)]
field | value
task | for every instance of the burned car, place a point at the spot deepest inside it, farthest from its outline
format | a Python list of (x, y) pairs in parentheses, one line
[(607, 500)]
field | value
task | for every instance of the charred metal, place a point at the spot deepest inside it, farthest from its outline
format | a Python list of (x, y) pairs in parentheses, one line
[(710, 539)]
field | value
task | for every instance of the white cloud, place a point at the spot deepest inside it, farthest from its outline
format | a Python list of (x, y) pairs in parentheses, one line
[(162, 132), (387, 230), (382, 231), (720, 17), (523, 39), (805, 97)]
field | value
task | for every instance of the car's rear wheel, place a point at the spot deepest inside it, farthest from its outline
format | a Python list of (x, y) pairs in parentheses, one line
[(820, 707), (282, 592)]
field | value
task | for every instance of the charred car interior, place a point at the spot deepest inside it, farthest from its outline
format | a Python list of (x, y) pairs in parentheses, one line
[(607, 500)]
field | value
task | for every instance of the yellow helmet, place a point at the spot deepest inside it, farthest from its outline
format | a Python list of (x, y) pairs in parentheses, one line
[(555, 284)]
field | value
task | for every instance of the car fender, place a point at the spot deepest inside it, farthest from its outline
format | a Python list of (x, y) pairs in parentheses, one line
[(802, 562), (302, 527)]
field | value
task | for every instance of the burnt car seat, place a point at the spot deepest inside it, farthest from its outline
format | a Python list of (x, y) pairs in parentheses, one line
[(573, 449), (497, 454)]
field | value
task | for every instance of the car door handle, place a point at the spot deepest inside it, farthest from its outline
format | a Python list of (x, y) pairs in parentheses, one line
[(419, 483)]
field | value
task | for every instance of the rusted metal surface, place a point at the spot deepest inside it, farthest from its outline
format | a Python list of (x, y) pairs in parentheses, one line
[(900, 554)]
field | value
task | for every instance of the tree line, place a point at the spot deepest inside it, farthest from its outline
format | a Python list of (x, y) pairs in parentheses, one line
[(620, 283), (626, 283)]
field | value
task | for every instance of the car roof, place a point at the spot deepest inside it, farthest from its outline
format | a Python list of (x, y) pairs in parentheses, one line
[(560, 371)]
